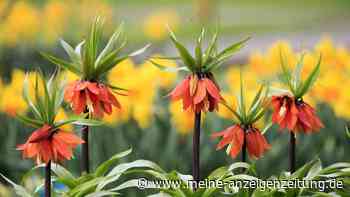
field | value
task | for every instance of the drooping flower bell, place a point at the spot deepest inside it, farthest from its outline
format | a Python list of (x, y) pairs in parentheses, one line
[(199, 90), (234, 137), (49, 142), (95, 97), (289, 109), (46, 144), (92, 93), (245, 134), (295, 115)]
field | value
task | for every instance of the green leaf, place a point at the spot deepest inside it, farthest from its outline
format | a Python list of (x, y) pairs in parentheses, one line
[(104, 167), (139, 51), (27, 99), (112, 60), (117, 171), (209, 52), (59, 62), (256, 101), (301, 172), (311, 79), (64, 176), (238, 165), (84, 188), (268, 125), (185, 55), (198, 50), (166, 58), (232, 49), (314, 170), (127, 184), (111, 43), (29, 121), (286, 73), (241, 100), (168, 68), (75, 57), (91, 48), (297, 72), (20, 190), (102, 193)]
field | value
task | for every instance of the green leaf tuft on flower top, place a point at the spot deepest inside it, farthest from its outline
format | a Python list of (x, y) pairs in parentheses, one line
[(187, 59), (257, 107), (87, 60), (310, 80), (44, 98), (204, 60), (292, 79)]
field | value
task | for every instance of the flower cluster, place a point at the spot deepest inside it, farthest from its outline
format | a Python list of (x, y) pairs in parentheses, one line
[(295, 115), (46, 144), (198, 92), (234, 137), (94, 97)]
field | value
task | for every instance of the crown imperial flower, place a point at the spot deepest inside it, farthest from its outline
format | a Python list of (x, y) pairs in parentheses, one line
[(199, 90), (234, 137), (95, 97), (46, 145), (295, 115), (93, 93), (289, 109)]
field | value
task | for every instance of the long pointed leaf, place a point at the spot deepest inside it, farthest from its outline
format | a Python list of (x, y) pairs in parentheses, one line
[(187, 59), (59, 62)]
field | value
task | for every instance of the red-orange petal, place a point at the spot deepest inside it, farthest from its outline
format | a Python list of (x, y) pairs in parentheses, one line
[(201, 92)]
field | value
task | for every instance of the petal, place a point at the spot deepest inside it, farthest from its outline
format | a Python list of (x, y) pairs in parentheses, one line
[(180, 90), (93, 88), (69, 92), (201, 92), (40, 134), (69, 138), (212, 89)]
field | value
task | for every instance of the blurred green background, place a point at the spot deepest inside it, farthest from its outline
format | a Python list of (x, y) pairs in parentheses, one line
[(149, 125)]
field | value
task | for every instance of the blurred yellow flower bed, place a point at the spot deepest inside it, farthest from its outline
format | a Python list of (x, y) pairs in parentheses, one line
[(25, 22), (144, 82)]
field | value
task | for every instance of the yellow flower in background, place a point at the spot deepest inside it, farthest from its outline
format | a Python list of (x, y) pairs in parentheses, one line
[(120, 115), (22, 23), (250, 79), (182, 120), (165, 79), (223, 111), (61, 115), (141, 83), (3, 6), (55, 15), (274, 56), (155, 24), (327, 49), (13, 90), (343, 58), (142, 95), (69, 76), (122, 76)]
